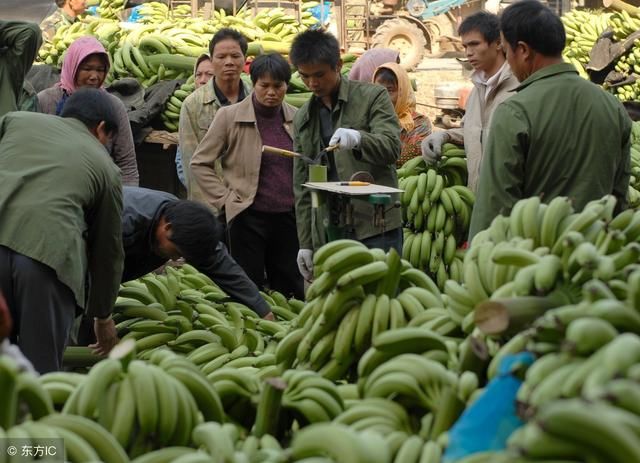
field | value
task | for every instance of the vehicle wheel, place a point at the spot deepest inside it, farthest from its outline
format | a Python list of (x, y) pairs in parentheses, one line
[(404, 36)]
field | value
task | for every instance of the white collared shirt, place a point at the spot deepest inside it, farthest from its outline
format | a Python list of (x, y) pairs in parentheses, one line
[(484, 85)]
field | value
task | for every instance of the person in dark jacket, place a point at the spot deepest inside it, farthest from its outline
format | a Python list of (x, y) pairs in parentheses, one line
[(157, 227)]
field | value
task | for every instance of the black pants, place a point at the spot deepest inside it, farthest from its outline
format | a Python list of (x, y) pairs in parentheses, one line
[(41, 306), (262, 241)]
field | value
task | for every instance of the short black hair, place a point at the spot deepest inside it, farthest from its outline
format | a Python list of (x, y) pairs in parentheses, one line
[(194, 229), (386, 75), (487, 24), (227, 33), (315, 47), (273, 65), (533, 23), (60, 3), (91, 106)]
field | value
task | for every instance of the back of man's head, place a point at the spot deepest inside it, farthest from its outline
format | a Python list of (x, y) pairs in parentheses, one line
[(531, 22), (194, 229), (315, 47), (91, 106), (487, 24)]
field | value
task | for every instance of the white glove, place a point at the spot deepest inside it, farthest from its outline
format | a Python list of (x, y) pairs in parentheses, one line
[(305, 263), (348, 139), (14, 353), (432, 146)]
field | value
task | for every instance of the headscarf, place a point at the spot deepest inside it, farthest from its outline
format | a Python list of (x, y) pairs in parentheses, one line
[(406, 103), (364, 66), (76, 53), (201, 58)]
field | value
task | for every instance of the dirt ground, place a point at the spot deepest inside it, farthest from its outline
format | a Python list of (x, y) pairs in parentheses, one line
[(430, 73)]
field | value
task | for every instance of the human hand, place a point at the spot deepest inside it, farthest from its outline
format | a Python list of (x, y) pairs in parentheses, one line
[(305, 263), (347, 139), (432, 146), (106, 335), (269, 316)]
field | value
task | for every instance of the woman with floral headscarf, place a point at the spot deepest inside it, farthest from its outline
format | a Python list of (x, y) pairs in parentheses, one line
[(414, 126), (86, 64)]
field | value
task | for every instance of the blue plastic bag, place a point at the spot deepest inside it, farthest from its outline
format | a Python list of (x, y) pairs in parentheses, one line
[(322, 14), (489, 421)]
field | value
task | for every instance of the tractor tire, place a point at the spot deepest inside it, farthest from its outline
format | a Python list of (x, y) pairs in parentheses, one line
[(404, 36)]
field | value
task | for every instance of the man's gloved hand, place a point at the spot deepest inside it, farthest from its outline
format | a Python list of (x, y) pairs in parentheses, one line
[(305, 263), (348, 139), (432, 146)]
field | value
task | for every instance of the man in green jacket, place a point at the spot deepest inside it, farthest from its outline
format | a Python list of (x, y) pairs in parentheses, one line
[(61, 234), (19, 44), (560, 135), (357, 116)]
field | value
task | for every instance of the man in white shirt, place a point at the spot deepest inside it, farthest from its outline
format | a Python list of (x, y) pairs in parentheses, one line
[(493, 83)]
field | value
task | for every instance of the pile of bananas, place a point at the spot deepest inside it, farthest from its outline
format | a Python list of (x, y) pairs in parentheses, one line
[(436, 207), (186, 312), (111, 9), (583, 27), (171, 114), (634, 181), (357, 294), (377, 365)]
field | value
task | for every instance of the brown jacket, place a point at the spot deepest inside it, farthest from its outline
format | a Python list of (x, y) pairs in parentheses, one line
[(233, 138)]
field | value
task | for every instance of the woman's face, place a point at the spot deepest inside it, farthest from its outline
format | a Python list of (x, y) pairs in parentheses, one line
[(270, 92), (91, 72), (391, 87), (204, 73)]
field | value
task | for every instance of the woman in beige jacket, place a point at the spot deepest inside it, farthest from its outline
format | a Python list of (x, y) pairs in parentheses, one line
[(252, 191)]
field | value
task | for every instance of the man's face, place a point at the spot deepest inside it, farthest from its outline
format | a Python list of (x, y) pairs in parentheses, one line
[(77, 6), (227, 60), (481, 54), (517, 59), (165, 248), (321, 78)]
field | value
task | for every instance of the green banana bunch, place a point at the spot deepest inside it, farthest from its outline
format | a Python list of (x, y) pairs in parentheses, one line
[(357, 295), (23, 395), (111, 9), (436, 206), (340, 443), (310, 397)]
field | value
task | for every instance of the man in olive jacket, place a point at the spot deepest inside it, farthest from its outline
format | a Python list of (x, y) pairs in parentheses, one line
[(559, 135), (19, 44), (61, 235), (357, 116)]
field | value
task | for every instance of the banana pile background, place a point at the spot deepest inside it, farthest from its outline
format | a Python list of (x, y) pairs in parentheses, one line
[(583, 27), (376, 365), (436, 208), (165, 45)]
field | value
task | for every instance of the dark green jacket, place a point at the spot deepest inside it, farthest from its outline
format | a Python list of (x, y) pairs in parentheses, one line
[(19, 44), (560, 135), (61, 200), (364, 107)]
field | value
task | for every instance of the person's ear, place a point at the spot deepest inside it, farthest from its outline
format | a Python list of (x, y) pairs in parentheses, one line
[(526, 51), (101, 133), (339, 65)]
